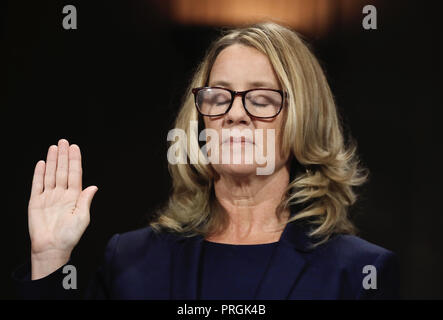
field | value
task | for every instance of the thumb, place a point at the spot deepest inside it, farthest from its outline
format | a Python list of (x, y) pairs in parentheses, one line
[(85, 198)]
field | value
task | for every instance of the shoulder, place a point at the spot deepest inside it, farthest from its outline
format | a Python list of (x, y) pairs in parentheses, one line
[(139, 238), (349, 260), (138, 264), (349, 250), (346, 262), (140, 244), (350, 245)]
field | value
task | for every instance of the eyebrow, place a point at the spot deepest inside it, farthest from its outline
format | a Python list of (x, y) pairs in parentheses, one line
[(254, 84)]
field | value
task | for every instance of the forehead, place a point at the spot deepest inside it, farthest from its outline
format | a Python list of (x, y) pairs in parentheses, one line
[(239, 65)]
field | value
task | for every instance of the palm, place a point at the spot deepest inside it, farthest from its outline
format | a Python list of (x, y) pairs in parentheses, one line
[(58, 211)]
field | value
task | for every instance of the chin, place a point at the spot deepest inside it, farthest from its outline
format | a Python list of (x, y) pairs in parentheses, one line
[(236, 170)]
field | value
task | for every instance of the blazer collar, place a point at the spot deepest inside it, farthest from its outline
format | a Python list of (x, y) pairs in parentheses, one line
[(287, 259), (296, 234)]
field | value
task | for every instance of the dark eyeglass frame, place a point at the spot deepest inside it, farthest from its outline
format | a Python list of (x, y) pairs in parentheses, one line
[(284, 96)]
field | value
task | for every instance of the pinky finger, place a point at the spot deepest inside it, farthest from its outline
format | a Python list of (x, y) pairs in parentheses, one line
[(37, 180)]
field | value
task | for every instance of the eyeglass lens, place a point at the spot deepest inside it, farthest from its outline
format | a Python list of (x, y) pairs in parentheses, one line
[(259, 103)]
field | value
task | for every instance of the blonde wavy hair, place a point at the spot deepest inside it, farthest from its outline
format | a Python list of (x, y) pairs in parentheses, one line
[(324, 168)]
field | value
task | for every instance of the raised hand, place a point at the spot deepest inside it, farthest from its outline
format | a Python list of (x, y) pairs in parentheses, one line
[(58, 211)]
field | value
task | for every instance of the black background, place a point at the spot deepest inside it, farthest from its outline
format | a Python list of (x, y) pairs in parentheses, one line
[(114, 85)]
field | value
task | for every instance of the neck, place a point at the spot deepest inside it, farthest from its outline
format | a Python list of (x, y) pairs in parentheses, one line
[(250, 204)]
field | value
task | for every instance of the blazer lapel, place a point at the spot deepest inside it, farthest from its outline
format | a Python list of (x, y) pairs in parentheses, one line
[(286, 264), (185, 268), (284, 268)]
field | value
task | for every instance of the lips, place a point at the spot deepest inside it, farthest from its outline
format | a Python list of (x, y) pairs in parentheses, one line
[(238, 139)]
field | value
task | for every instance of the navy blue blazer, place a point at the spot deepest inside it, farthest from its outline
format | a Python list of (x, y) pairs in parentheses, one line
[(143, 264)]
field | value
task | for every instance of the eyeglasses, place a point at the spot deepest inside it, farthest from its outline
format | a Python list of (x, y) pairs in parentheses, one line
[(258, 103)]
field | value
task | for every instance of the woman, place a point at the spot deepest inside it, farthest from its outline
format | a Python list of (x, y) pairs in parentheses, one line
[(228, 232)]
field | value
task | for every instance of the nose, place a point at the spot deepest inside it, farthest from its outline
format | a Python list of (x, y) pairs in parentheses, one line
[(237, 114)]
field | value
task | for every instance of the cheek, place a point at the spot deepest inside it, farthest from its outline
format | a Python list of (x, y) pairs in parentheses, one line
[(205, 122), (212, 127), (277, 128), (278, 138), (211, 124)]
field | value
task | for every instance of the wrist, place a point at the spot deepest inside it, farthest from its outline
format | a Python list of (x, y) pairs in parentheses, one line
[(45, 263)]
